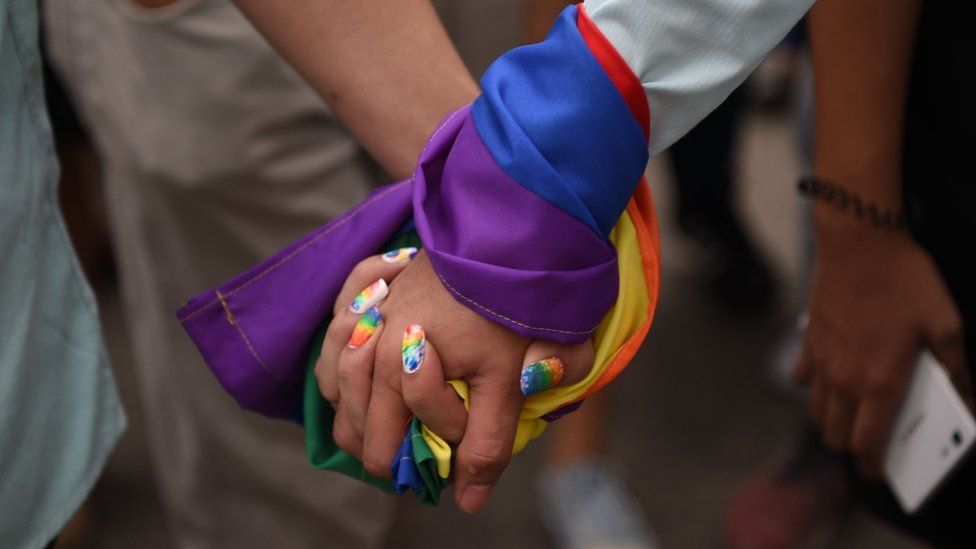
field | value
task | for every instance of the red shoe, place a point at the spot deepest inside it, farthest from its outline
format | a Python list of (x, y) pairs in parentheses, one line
[(799, 504)]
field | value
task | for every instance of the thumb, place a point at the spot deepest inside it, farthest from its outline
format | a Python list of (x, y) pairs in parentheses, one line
[(548, 365)]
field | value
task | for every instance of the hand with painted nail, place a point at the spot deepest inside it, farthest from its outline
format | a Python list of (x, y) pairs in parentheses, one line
[(393, 370), (484, 438), (344, 369)]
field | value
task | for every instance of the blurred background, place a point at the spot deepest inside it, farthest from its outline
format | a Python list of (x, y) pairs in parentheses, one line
[(705, 429)]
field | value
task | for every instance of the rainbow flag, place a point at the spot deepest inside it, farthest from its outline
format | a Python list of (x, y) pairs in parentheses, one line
[(532, 207)]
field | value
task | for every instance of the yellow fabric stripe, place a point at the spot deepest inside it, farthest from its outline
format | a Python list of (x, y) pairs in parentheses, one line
[(623, 320)]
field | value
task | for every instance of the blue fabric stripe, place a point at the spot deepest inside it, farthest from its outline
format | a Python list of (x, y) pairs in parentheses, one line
[(555, 123), (404, 469)]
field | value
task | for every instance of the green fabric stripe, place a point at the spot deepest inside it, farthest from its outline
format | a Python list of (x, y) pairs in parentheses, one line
[(324, 453)]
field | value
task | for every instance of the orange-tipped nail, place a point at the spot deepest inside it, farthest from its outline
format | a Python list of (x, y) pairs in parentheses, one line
[(366, 327)]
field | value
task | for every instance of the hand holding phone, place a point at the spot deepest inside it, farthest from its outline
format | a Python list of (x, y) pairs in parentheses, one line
[(933, 433)]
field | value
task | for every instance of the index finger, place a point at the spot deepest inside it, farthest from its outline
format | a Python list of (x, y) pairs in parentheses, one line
[(494, 408), (358, 291), (365, 286)]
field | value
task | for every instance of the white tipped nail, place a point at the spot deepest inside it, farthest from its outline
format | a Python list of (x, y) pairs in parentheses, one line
[(401, 255), (414, 348), (373, 294)]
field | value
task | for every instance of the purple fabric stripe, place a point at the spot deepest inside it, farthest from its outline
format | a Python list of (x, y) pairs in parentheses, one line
[(253, 330), (560, 412), (504, 251)]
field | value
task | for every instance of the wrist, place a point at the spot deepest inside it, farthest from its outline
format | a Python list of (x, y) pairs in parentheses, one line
[(847, 215), (839, 232)]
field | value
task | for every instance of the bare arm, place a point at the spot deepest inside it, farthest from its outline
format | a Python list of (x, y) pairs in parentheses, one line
[(387, 69), (862, 55), (539, 15), (876, 294)]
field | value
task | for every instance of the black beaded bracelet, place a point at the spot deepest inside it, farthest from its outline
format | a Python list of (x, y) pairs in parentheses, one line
[(844, 200)]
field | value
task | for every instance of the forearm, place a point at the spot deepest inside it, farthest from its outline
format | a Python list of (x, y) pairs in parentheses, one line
[(539, 15), (387, 69), (862, 56)]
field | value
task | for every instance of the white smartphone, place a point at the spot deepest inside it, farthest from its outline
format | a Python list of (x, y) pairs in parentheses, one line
[(932, 434)]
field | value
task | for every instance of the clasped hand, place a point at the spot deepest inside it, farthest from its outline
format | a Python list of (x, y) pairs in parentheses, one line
[(379, 363)]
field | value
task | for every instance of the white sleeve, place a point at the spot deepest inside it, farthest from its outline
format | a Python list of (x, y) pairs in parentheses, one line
[(691, 54)]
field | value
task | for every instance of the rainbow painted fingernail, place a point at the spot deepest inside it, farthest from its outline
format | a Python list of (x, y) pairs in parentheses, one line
[(373, 294), (402, 255), (541, 375), (414, 344), (366, 327)]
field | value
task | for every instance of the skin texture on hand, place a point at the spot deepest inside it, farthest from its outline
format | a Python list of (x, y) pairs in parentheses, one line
[(876, 296), (373, 394), (390, 73)]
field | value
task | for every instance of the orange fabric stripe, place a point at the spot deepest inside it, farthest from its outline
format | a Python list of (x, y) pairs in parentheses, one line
[(641, 210), (616, 68)]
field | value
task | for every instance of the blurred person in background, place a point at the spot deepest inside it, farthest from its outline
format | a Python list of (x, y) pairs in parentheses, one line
[(216, 154), (703, 165), (801, 496), (60, 415), (894, 127)]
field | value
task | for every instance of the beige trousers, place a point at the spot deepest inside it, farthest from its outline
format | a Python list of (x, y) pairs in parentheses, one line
[(216, 154)]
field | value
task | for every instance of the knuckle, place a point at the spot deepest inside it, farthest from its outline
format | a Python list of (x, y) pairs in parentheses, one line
[(329, 392), (412, 397), (359, 272), (344, 437), (333, 336), (347, 372), (386, 375), (487, 455), (879, 384), (450, 433), (842, 378), (376, 466), (320, 372), (414, 394)]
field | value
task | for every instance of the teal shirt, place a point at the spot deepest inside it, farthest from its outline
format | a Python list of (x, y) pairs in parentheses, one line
[(59, 412)]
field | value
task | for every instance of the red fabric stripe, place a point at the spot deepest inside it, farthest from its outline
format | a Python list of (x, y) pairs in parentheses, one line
[(616, 68)]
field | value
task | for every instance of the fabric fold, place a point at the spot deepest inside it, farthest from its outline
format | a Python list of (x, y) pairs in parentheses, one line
[(556, 122), (520, 201), (513, 197), (502, 250), (253, 330), (423, 462)]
